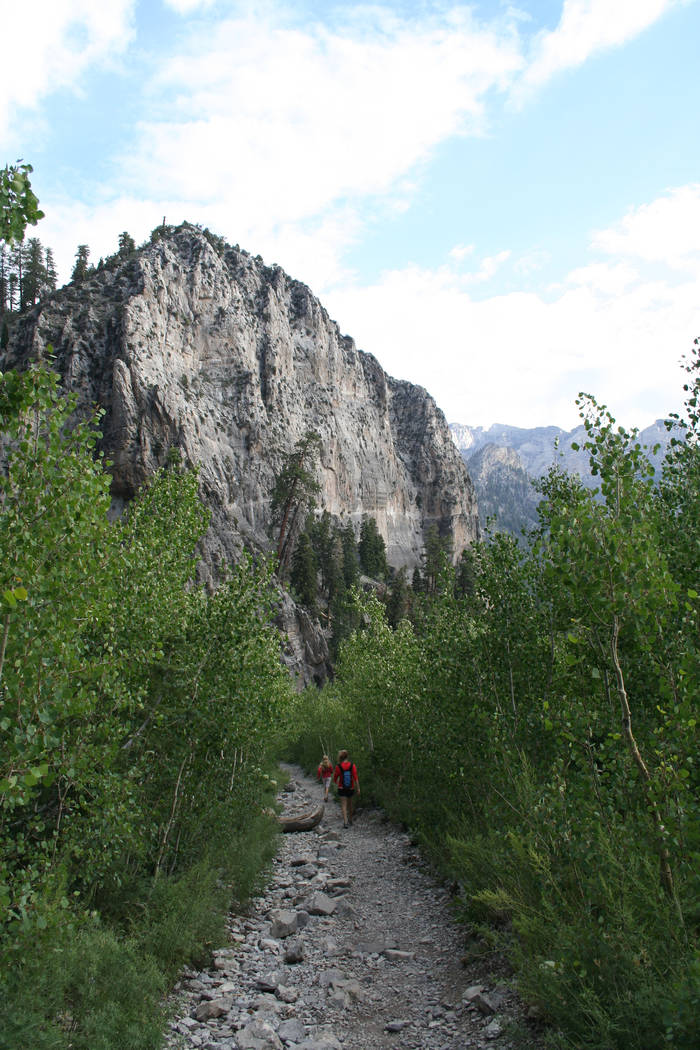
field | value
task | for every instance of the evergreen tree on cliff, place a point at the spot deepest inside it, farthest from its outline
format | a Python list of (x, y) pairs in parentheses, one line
[(294, 492)]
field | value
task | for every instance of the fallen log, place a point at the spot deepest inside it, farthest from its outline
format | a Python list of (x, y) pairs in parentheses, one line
[(302, 821)]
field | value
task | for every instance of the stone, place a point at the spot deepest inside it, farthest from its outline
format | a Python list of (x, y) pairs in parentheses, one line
[(258, 1035), (292, 1031), (328, 977), (267, 1005), (269, 944), (471, 993), (212, 1008), (397, 955), (375, 947), (283, 923), (483, 1004), (338, 997), (346, 911), (267, 982), (493, 1030), (352, 988), (287, 994), (327, 1041), (396, 1026), (228, 988), (339, 884), (321, 904), (294, 951)]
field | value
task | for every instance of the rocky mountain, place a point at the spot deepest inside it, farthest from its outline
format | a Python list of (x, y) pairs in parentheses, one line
[(194, 345), (503, 460), (504, 488)]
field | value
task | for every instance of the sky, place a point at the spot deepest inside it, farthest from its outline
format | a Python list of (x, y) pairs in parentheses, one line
[(500, 201)]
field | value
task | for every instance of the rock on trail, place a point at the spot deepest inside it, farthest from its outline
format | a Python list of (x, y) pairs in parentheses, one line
[(352, 947)]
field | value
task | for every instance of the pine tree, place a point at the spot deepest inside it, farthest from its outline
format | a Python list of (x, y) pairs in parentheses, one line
[(127, 244), (12, 291), (51, 272), (4, 279), (294, 492), (17, 262), (351, 560), (372, 550), (35, 276), (322, 535), (80, 269), (398, 604), (436, 553), (304, 572)]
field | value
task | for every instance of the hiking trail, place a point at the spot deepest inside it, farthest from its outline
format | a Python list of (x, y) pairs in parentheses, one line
[(353, 946)]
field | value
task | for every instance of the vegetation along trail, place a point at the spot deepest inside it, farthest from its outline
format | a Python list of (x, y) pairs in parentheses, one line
[(352, 946)]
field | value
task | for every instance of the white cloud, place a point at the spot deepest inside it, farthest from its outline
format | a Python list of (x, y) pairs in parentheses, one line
[(606, 278), (587, 27), (461, 251), (276, 121), (522, 358), (489, 267), (187, 7), (531, 262), (665, 231), (51, 45)]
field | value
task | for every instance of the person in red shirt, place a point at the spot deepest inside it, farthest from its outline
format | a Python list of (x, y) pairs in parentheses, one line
[(345, 777), (325, 773)]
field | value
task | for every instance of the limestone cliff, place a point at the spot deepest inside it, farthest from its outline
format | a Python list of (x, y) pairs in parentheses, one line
[(195, 345)]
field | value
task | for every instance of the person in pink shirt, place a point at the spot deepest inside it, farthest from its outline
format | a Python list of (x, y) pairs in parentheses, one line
[(325, 773), (345, 777)]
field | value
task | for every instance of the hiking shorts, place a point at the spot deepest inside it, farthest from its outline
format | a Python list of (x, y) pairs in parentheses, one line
[(346, 792)]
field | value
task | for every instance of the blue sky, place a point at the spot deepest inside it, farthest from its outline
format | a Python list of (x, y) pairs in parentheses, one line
[(501, 201)]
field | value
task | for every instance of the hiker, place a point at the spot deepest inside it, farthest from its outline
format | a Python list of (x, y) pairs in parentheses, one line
[(345, 776), (325, 773)]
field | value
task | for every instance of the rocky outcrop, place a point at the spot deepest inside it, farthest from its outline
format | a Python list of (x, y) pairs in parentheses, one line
[(197, 346)]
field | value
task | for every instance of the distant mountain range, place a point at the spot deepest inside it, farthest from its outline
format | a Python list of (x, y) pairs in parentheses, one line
[(503, 461)]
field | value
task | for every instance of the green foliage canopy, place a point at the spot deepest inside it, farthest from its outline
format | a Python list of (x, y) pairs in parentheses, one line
[(19, 206)]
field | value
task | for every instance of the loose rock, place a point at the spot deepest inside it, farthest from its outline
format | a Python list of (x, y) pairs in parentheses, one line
[(378, 965)]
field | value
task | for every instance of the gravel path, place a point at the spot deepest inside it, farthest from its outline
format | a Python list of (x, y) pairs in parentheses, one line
[(353, 947)]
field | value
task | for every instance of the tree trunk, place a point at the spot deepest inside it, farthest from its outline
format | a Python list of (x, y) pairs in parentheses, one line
[(652, 805), (302, 821)]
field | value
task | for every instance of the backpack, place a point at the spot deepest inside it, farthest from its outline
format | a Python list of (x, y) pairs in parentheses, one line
[(347, 775)]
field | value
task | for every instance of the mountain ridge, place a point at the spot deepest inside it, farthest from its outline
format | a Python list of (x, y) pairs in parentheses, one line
[(504, 482)]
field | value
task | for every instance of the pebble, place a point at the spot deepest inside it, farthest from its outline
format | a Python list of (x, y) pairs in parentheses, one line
[(351, 947)]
